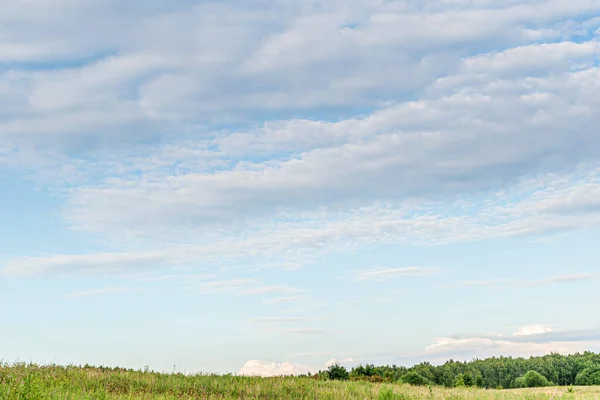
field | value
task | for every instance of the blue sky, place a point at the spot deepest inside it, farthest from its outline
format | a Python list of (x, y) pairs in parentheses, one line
[(266, 187)]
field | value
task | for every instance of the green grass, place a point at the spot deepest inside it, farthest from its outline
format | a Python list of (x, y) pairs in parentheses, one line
[(22, 381)]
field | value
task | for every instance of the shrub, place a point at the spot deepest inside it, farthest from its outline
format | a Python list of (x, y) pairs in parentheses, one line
[(412, 378), (588, 377), (462, 380), (337, 372), (459, 381), (531, 379)]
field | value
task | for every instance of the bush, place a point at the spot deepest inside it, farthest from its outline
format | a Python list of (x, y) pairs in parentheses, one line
[(467, 380), (412, 378), (337, 372), (532, 379), (588, 377), (459, 381)]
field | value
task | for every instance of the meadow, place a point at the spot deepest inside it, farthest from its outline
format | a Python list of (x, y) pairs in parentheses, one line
[(21, 381)]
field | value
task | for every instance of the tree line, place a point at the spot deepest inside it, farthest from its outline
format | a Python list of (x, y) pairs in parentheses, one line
[(495, 372)]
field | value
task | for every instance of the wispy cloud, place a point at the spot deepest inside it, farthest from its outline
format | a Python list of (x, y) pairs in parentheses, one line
[(223, 286), (307, 236), (513, 282), (306, 331), (388, 273), (572, 278), (98, 292), (488, 282), (283, 320), (287, 299), (270, 290), (239, 287)]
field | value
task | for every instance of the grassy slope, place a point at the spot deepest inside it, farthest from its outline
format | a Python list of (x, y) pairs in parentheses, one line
[(32, 382)]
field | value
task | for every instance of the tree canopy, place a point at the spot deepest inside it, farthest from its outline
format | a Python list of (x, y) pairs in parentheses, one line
[(505, 372)]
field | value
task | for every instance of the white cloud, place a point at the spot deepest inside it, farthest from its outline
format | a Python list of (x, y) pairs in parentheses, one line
[(343, 362), (488, 282), (91, 264), (531, 340), (571, 278), (387, 273), (306, 331), (97, 292), (271, 289), (505, 283), (223, 286), (536, 59), (533, 330), (194, 137), (300, 238), (485, 347), (163, 69), (487, 123), (415, 148), (238, 287), (283, 320), (286, 299), (269, 368)]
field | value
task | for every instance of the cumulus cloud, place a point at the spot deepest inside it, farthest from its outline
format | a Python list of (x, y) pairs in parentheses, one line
[(270, 368), (532, 330)]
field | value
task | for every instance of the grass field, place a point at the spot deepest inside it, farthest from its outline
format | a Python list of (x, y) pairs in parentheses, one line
[(53, 382)]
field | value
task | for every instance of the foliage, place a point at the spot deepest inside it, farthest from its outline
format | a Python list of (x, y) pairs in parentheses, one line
[(28, 381), (337, 372), (588, 376), (495, 372), (532, 379), (413, 378)]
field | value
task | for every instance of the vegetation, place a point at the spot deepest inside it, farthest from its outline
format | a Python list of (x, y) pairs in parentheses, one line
[(337, 372), (491, 373), (478, 379), (588, 376), (532, 379), (413, 378)]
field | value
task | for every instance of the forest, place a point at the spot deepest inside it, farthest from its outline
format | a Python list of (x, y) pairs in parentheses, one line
[(581, 369)]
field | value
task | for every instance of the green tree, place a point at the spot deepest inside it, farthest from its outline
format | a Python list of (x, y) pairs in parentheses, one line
[(414, 378), (589, 376), (337, 372), (532, 379)]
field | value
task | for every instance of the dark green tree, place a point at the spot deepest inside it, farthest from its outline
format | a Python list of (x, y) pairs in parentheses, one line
[(588, 376), (337, 372), (413, 378)]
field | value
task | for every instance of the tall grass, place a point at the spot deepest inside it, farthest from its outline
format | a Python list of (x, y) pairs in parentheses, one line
[(29, 381)]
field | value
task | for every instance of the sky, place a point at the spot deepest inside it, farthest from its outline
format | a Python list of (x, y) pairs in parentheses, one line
[(270, 186)]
